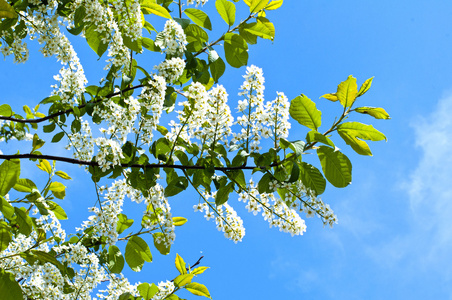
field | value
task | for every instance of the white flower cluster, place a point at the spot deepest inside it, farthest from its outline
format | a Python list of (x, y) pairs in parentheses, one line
[(128, 16), (152, 98), (105, 219), (172, 39), (121, 119), (277, 119), (274, 210), (220, 120), (226, 219), (254, 115), (18, 47), (46, 28), (82, 142), (198, 2), (109, 153), (171, 69), (117, 286), (165, 289), (158, 216), (314, 205)]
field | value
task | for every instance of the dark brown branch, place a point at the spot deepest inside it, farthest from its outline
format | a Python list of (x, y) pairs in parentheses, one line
[(95, 164), (29, 121)]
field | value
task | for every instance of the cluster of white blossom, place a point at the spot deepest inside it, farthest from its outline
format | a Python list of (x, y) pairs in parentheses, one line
[(82, 142), (105, 218), (120, 118), (151, 98), (117, 286), (172, 39), (277, 119), (109, 153), (158, 215), (274, 209), (44, 25), (198, 2), (171, 69), (18, 47), (192, 116), (165, 289), (252, 108), (314, 205), (128, 16), (225, 217), (218, 128)]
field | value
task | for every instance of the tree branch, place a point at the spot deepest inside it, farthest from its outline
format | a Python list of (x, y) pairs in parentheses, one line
[(95, 164), (30, 121)]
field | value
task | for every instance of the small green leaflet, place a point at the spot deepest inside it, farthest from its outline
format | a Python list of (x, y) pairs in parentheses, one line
[(5, 109), (199, 17), (362, 131), (257, 5), (137, 252), (115, 259), (347, 91), (147, 291), (147, 7), (180, 265), (197, 289), (303, 110), (376, 112), (9, 175), (264, 30), (365, 87), (226, 10), (274, 5), (312, 178)]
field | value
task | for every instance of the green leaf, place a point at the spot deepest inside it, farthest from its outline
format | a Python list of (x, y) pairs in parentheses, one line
[(274, 5), (37, 143), (147, 7), (199, 270), (362, 131), (365, 87), (115, 259), (376, 112), (94, 39), (264, 30), (24, 221), (198, 17), (46, 257), (63, 175), (6, 10), (182, 280), (197, 289), (226, 10), (57, 137), (179, 221), (180, 264), (315, 136), (6, 209), (257, 5), (161, 247), (303, 110), (58, 189), (336, 166), (150, 45), (359, 146), (44, 165), (347, 91), (25, 186), (331, 97), (59, 212), (222, 194), (263, 185), (123, 223), (217, 68), (9, 287), (312, 178), (9, 175), (135, 45), (147, 291), (236, 50), (137, 252), (5, 109), (5, 235)]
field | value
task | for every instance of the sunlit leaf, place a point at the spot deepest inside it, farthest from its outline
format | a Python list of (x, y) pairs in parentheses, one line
[(336, 166), (303, 110)]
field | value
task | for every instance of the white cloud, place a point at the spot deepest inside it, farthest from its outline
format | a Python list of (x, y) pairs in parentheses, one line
[(425, 246)]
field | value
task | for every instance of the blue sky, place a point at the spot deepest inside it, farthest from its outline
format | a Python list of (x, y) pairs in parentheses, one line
[(394, 239)]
